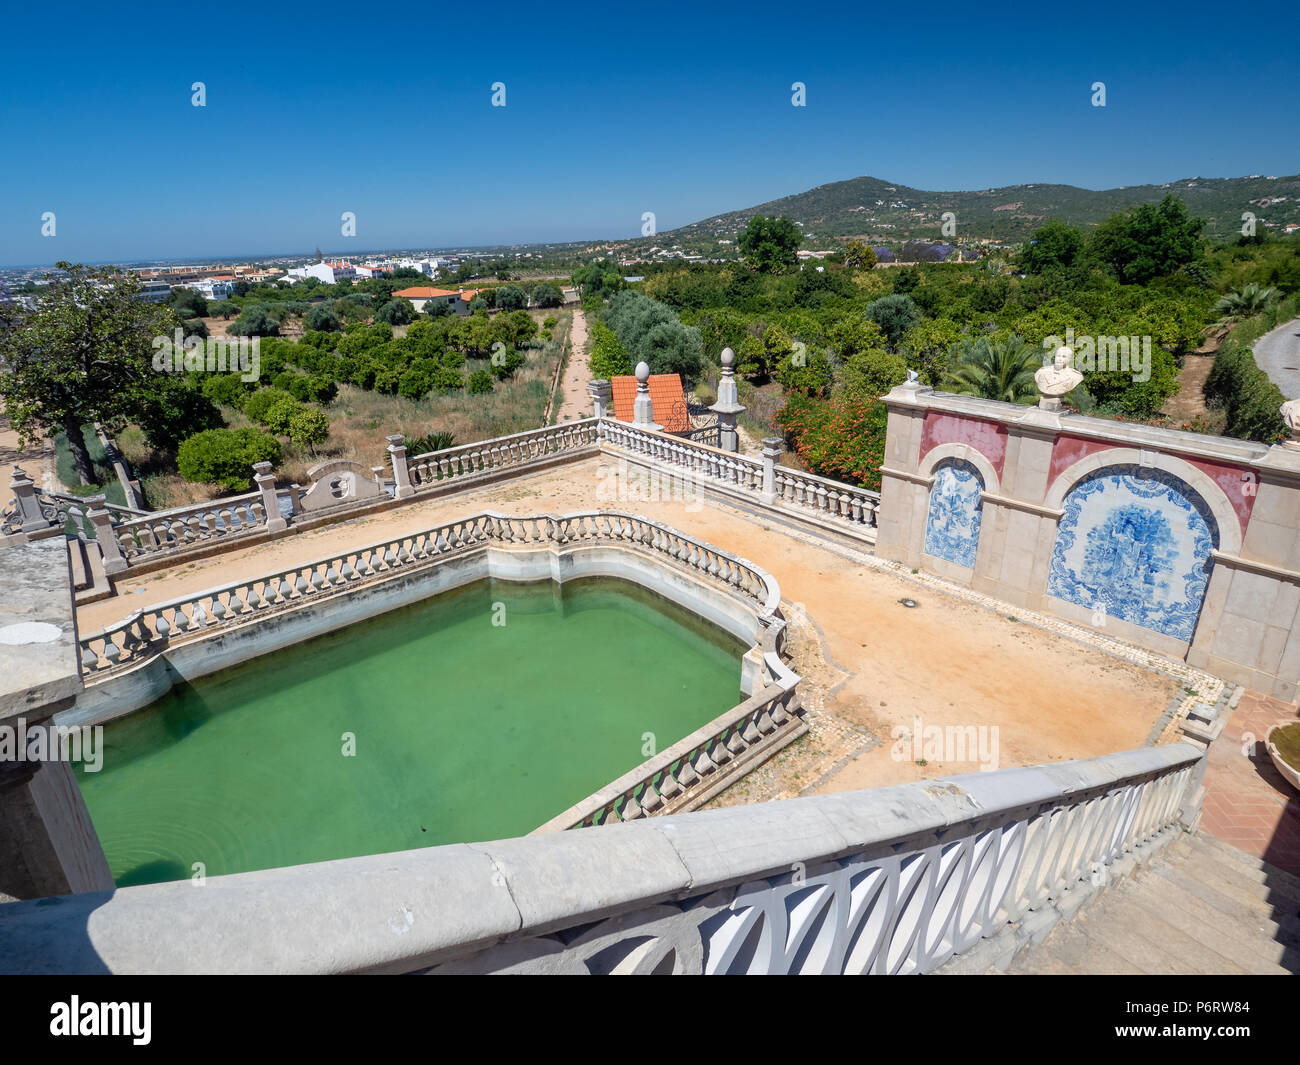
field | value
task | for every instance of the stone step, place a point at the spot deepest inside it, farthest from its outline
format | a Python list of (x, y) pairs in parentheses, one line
[(1215, 868), (1148, 942), (1244, 909), (1279, 880), (1066, 951), (1238, 942)]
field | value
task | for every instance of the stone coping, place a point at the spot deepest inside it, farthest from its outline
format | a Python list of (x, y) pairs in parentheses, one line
[(408, 910)]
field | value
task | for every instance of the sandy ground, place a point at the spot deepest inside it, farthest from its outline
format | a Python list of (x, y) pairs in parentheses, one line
[(575, 404), (36, 459), (871, 665)]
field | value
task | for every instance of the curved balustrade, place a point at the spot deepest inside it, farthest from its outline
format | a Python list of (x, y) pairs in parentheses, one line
[(146, 632), (487, 456)]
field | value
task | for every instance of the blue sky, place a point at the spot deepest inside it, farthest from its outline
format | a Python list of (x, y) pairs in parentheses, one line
[(385, 111)]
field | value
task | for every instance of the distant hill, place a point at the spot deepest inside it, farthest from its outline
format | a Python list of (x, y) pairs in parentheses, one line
[(881, 211)]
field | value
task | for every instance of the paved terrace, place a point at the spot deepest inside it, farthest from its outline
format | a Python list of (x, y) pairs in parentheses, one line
[(871, 665)]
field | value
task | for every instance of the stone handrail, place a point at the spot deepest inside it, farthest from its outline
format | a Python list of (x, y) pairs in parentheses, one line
[(487, 456), (169, 530), (887, 880), (842, 503)]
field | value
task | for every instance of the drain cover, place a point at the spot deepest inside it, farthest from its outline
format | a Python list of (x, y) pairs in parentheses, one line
[(909, 602)]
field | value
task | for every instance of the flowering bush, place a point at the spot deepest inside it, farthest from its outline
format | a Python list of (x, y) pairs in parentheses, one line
[(842, 438)]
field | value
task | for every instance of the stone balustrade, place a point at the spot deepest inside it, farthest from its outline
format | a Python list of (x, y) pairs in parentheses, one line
[(147, 632), (888, 880), (488, 456), (171, 530)]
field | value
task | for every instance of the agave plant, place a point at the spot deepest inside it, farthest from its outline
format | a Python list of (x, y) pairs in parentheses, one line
[(1244, 302), (993, 370)]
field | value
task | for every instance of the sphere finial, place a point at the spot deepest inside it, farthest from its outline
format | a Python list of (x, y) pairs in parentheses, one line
[(642, 372)]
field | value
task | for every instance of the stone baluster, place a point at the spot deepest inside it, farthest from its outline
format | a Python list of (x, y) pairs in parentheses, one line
[(265, 481), (401, 474), (102, 522), (601, 392)]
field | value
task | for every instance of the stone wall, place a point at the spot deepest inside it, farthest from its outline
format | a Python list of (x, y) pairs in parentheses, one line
[(1180, 542)]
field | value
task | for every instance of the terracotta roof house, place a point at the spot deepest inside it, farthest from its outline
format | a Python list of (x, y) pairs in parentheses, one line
[(419, 295), (666, 395)]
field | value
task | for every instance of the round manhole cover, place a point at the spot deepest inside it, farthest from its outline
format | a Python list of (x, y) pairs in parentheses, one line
[(29, 632)]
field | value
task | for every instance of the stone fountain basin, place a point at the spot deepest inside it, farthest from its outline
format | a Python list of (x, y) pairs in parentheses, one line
[(1290, 772)]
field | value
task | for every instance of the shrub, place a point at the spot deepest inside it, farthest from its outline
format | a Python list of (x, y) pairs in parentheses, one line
[(225, 457), (547, 295), (308, 427), (279, 415), (322, 318), (480, 381), (261, 401), (227, 389), (842, 438), (175, 410)]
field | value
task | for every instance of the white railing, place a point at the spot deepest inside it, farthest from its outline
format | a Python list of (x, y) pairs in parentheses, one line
[(887, 880), (841, 503), (488, 456)]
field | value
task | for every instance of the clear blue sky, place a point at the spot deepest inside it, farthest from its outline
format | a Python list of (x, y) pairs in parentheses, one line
[(684, 110)]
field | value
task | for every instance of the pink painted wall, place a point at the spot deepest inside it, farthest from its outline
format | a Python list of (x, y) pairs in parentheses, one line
[(988, 438), (1238, 483)]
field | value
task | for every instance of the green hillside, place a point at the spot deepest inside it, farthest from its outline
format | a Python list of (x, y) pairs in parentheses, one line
[(878, 211)]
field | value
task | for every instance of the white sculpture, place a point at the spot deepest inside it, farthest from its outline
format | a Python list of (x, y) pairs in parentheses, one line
[(1056, 380), (1291, 415)]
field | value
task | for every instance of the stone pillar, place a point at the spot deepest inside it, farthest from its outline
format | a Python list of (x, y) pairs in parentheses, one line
[(265, 481), (28, 515), (601, 392), (728, 406), (643, 408), (772, 448), (48, 844), (401, 475), (102, 522)]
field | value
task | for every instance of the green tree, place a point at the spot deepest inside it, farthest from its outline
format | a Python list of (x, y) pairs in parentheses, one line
[(322, 318), (993, 370), (858, 256), (396, 312), (511, 298), (608, 356), (480, 381), (547, 295), (84, 353), (895, 315), (870, 374), (174, 409), (769, 244), (1152, 240), (308, 427), (255, 321), (1053, 245), (927, 345)]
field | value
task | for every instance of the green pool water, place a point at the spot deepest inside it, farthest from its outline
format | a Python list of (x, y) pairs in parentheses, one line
[(463, 730)]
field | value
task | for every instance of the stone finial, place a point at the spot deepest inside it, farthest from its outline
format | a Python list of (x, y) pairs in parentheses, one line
[(601, 391), (643, 416), (728, 404), (1056, 380), (1290, 411)]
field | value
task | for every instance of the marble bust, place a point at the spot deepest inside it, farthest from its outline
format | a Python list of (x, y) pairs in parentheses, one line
[(1290, 411), (1056, 380)]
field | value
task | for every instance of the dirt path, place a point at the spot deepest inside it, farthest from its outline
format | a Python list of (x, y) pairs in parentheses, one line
[(574, 404), (1278, 355), (36, 459), (1189, 401)]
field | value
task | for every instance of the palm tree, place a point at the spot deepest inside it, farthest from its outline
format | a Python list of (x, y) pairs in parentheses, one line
[(1244, 302), (991, 370)]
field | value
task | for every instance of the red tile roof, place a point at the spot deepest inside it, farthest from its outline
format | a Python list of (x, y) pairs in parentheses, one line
[(666, 396), (423, 292)]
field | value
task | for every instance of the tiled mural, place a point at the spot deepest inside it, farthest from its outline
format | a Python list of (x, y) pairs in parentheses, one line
[(952, 530), (1136, 544)]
